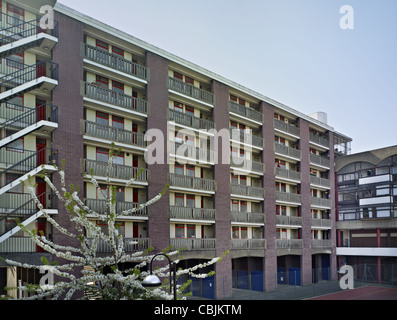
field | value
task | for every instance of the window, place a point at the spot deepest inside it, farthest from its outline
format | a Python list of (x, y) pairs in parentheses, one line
[(179, 200), (119, 159), (118, 51), (120, 194), (313, 172), (17, 145), (281, 210), (16, 61), (244, 233), (16, 103), (102, 118), (102, 45), (281, 187), (190, 111), (191, 231), (118, 87), (118, 122), (178, 75), (235, 206), (233, 98), (189, 140), (15, 15), (190, 171), (102, 82), (242, 127), (189, 80), (179, 231), (236, 232), (190, 201), (10, 177), (243, 180), (243, 206), (279, 140), (233, 125), (281, 164), (178, 106), (179, 170), (102, 155), (234, 179)]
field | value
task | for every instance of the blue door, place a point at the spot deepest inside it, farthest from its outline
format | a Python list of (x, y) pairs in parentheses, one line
[(257, 281), (294, 276)]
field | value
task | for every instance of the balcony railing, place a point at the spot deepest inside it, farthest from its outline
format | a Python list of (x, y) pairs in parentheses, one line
[(315, 159), (184, 213), (245, 112), (188, 151), (244, 137), (18, 245), (246, 244), (289, 243), (319, 140), (323, 223), (189, 120), (190, 90), (93, 91), (289, 220), (115, 61), (98, 168), (320, 202), (248, 217), (113, 134), (288, 174), (321, 244), (286, 127), (247, 165), (288, 197), (193, 244), (130, 245), (287, 151), (100, 206), (247, 191), (192, 183), (320, 182)]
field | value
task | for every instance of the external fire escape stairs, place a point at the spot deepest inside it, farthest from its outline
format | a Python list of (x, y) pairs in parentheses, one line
[(43, 119), (26, 36)]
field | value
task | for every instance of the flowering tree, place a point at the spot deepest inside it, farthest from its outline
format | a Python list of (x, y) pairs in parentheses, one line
[(92, 280)]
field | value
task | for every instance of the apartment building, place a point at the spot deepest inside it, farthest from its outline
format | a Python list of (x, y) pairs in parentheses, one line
[(70, 92), (366, 219)]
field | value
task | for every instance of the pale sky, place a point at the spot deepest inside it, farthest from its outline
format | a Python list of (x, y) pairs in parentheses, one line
[(292, 51)]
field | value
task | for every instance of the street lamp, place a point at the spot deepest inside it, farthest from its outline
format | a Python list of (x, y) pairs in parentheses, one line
[(153, 281)]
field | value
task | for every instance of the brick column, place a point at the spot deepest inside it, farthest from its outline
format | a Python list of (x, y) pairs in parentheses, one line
[(157, 96), (306, 258), (223, 276), (268, 158), (67, 139)]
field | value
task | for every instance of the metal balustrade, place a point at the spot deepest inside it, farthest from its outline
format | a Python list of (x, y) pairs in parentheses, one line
[(247, 165), (193, 244), (192, 182), (289, 220), (115, 61), (321, 244), (320, 181), (93, 91), (190, 90), (288, 197), (323, 223), (247, 217), (323, 141), (130, 245), (184, 213), (106, 132), (185, 150), (322, 161), (248, 191), (100, 207), (287, 151), (189, 120), (320, 202), (246, 138), (245, 112), (288, 174), (287, 127), (117, 171), (289, 243), (247, 244)]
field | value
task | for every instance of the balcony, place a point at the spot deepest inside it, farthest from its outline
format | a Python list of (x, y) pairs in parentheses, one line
[(115, 62), (246, 138), (112, 134), (246, 166), (193, 244), (287, 128), (319, 140), (320, 182), (18, 35), (191, 91), (25, 120), (40, 78), (288, 175), (321, 244), (191, 153), (111, 98), (320, 161), (248, 218), (289, 243), (247, 244), (119, 172), (320, 202), (100, 207), (289, 221), (286, 197), (130, 245), (247, 113), (321, 223), (189, 120), (247, 191), (197, 214), (192, 183), (288, 152)]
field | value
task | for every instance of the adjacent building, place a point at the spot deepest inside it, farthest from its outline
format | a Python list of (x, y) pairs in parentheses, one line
[(367, 214), (71, 91)]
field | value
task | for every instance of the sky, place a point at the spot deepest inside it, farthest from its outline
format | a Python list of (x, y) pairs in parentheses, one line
[(292, 51)]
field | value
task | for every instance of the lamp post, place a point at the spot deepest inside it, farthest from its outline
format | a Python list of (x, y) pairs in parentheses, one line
[(153, 281)]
